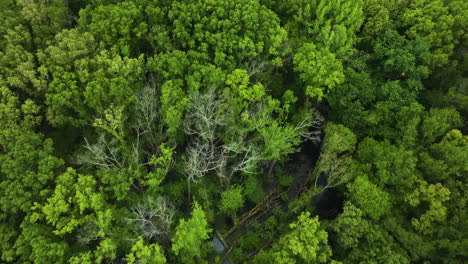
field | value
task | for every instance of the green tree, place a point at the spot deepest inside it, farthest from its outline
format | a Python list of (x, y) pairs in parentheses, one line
[(438, 121), (387, 164), (450, 151), (119, 25), (401, 59), (350, 226), (369, 197), (37, 244), (86, 82), (431, 21), (318, 69), (435, 195), (45, 17), (330, 24), (146, 254), (28, 167), (232, 199), (306, 242), (18, 63), (188, 241), (335, 161)]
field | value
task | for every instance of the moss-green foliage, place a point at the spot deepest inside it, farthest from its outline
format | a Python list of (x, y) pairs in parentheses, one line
[(253, 189), (232, 200), (138, 130)]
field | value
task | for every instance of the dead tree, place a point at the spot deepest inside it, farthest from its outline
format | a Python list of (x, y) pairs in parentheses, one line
[(102, 154), (153, 217)]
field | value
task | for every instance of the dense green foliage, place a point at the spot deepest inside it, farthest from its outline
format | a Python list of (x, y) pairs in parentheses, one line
[(253, 131)]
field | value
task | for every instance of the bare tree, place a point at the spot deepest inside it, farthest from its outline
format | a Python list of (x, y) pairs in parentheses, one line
[(87, 233), (255, 66), (153, 216), (204, 117), (244, 158), (147, 122), (208, 126), (102, 154), (202, 158), (202, 121), (206, 122)]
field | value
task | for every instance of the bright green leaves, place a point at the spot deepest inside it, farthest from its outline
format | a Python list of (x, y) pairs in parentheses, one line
[(173, 104), (113, 122), (330, 24), (232, 200), (86, 82), (64, 97), (350, 226), (335, 159), (279, 137), (171, 65), (27, 169), (188, 241), (111, 79), (18, 63), (226, 33), (279, 140), (452, 149), (459, 10), (369, 197), (446, 158), (318, 69), (387, 164), (438, 121), (238, 81), (37, 244), (435, 195), (306, 242), (70, 46), (8, 235), (79, 206), (161, 163), (431, 21), (337, 22), (8, 19), (121, 25), (64, 100), (14, 116), (74, 193), (119, 181), (82, 258), (58, 211), (377, 17), (146, 254), (46, 18), (220, 93), (338, 139), (238, 92)]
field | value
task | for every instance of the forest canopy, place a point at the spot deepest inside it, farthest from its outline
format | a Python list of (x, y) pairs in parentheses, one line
[(221, 131)]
